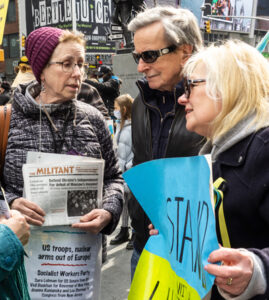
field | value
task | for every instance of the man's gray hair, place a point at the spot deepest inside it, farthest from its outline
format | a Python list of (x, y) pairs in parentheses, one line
[(180, 25)]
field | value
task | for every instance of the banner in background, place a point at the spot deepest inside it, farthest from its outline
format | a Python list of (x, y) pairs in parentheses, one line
[(92, 19), (177, 195)]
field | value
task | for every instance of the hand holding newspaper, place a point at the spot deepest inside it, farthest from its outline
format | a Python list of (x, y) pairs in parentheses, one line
[(66, 187)]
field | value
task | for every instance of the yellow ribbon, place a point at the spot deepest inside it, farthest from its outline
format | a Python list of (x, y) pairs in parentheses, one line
[(218, 197)]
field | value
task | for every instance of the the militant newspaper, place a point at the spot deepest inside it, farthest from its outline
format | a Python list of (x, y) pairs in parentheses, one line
[(66, 187)]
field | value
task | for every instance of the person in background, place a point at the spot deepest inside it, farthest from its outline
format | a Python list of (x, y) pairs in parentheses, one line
[(108, 87), (47, 117), (93, 75), (14, 233), (226, 100), (24, 73), (5, 94), (123, 137), (164, 39), (90, 95)]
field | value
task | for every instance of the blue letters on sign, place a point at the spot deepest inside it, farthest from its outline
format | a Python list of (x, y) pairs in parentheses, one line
[(176, 194)]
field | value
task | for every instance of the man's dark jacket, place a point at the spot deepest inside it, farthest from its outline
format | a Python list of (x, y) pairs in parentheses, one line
[(171, 139)]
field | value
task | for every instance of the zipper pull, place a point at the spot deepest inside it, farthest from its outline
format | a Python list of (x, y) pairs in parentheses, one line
[(163, 100)]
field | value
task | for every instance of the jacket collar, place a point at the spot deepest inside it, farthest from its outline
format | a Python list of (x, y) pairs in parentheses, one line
[(24, 101), (236, 138), (150, 96)]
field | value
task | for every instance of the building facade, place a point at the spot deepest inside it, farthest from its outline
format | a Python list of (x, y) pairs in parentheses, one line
[(11, 42)]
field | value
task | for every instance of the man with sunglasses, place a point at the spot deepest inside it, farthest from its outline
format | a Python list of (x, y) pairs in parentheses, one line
[(164, 38)]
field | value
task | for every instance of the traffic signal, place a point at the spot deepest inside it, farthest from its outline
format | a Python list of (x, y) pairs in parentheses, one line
[(23, 38), (98, 60), (207, 26), (2, 55)]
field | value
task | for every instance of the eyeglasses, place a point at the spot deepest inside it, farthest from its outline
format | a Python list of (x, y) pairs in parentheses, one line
[(152, 55), (67, 66), (189, 83)]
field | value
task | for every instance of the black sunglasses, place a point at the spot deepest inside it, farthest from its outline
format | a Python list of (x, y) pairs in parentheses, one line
[(151, 56), (189, 83)]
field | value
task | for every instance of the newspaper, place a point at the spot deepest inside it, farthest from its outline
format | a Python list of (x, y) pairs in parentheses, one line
[(66, 187)]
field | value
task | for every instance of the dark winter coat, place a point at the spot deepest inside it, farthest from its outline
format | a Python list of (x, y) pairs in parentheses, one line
[(245, 167), (82, 129), (156, 127), (90, 95)]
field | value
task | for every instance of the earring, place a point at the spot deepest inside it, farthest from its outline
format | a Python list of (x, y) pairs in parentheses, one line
[(42, 86)]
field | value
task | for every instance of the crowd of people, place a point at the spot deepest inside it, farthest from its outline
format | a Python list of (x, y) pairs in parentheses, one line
[(192, 100)]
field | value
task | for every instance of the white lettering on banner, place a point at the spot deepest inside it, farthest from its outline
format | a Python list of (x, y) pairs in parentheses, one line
[(68, 10), (61, 14), (48, 15), (106, 14), (98, 11), (42, 10), (55, 11), (61, 11), (84, 11)]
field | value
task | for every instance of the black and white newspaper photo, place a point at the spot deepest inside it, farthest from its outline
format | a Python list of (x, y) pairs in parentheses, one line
[(65, 188)]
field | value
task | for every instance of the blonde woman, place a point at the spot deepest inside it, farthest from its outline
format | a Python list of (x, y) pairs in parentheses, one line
[(226, 101)]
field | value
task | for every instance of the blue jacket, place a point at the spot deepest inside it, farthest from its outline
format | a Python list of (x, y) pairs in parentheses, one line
[(13, 284), (245, 167), (124, 146)]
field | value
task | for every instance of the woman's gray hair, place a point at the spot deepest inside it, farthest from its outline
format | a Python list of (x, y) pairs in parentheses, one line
[(180, 25)]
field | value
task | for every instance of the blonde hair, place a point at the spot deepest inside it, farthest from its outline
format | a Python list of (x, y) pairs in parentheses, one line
[(238, 76), (125, 103), (73, 36)]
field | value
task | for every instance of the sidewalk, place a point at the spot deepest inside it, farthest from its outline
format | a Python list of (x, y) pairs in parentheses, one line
[(115, 273)]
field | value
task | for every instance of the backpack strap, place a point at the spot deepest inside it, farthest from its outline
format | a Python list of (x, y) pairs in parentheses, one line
[(5, 114), (218, 199)]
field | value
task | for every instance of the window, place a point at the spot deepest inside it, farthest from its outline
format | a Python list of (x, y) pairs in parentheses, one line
[(11, 45), (11, 12)]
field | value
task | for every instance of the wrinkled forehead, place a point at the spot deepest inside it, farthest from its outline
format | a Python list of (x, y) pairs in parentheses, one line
[(69, 50), (150, 37)]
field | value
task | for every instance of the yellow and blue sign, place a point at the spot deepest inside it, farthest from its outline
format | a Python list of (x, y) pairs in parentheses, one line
[(176, 194), (263, 43)]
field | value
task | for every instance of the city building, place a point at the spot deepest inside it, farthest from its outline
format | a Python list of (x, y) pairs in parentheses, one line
[(11, 42)]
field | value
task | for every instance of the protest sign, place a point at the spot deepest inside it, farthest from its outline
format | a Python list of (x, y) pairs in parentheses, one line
[(63, 263), (177, 196)]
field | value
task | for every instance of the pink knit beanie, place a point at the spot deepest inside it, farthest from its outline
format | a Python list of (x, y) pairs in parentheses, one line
[(39, 47)]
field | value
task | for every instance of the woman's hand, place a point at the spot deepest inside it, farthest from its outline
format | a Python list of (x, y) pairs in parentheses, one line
[(152, 230), (94, 221), (33, 213), (17, 223), (235, 272)]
